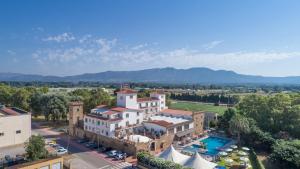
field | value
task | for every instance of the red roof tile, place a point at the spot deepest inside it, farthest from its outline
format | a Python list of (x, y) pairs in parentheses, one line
[(177, 112), (101, 106), (160, 123), (8, 111), (103, 118)]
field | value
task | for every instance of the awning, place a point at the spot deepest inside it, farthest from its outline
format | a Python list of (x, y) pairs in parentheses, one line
[(186, 132)]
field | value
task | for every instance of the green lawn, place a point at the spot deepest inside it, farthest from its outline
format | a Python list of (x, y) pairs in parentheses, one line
[(192, 106)]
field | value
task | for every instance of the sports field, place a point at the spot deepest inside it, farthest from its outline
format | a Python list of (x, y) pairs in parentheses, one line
[(193, 106)]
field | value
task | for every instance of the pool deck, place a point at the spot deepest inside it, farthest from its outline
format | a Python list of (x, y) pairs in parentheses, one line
[(197, 142)]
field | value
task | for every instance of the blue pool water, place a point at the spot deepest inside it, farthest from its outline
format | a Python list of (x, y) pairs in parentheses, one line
[(213, 144)]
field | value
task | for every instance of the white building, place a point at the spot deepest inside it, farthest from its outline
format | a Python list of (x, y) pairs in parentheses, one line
[(149, 105), (15, 126), (106, 121), (161, 124)]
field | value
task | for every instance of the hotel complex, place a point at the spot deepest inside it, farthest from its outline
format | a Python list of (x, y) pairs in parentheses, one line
[(149, 114)]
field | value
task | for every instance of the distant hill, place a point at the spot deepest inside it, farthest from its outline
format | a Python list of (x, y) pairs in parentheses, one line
[(159, 75)]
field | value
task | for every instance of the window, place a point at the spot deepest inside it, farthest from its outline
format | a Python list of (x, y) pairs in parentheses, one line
[(56, 166), (127, 115), (98, 122), (121, 97), (116, 125), (127, 123), (179, 128), (78, 109), (85, 119), (186, 126), (137, 113), (18, 131), (107, 133), (2, 134), (137, 121), (131, 96), (162, 97)]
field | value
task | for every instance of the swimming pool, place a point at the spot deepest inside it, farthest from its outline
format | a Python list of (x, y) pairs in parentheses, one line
[(213, 145)]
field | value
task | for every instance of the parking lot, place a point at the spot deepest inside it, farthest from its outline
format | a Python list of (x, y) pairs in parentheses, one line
[(83, 153)]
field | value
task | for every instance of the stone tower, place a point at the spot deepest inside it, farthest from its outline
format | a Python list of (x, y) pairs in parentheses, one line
[(75, 116)]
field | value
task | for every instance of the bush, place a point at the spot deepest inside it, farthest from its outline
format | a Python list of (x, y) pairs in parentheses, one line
[(286, 154), (157, 163)]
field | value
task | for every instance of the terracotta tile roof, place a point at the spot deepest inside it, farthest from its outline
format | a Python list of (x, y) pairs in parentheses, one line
[(147, 99), (177, 112), (110, 112), (101, 106), (122, 109), (160, 123), (103, 118), (127, 91), (9, 111), (119, 109)]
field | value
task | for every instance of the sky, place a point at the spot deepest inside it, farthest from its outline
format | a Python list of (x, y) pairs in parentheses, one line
[(54, 37)]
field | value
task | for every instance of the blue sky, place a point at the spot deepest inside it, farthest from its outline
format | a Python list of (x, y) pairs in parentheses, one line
[(53, 37)]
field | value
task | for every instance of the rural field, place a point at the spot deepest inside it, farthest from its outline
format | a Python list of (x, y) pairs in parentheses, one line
[(194, 106)]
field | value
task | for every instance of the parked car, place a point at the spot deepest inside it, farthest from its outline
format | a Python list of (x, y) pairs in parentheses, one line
[(82, 141), (89, 144), (119, 156), (94, 146), (62, 151), (112, 153)]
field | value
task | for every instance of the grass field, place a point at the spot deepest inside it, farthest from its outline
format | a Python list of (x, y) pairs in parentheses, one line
[(192, 106)]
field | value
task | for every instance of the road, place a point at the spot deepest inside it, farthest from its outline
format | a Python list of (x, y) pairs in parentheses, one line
[(83, 157)]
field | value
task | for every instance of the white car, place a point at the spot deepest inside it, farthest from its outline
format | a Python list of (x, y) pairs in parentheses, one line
[(62, 151)]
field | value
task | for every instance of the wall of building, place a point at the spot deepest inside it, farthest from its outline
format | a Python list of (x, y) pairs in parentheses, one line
[(198, 118), (127, 100), (155, 127), (107, 127), (54, 162), (10, 125)]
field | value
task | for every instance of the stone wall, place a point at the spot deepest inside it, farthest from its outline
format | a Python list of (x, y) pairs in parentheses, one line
[(198, 118), (131, 148)]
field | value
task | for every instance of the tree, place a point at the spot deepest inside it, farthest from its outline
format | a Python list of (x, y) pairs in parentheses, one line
[(239, 124), (5, 94), (36, 104), (21, 98), (35, 148), (56, 108), (225, 118), (286, 154)]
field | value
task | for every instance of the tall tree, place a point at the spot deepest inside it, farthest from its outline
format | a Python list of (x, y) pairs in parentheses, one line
[(35, 148), (239, 124)]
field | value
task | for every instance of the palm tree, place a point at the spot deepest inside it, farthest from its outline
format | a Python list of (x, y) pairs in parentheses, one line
[(239, 124)]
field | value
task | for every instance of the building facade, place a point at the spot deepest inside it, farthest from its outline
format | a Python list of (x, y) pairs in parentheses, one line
[(106, 121), (15, 126), (149, 105), (197, 117)]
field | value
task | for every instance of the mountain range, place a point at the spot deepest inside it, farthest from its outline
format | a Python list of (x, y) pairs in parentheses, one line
[(159, 75)]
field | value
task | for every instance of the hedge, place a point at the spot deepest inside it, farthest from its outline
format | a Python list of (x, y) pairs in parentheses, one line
[(146, 159), (256, 164)]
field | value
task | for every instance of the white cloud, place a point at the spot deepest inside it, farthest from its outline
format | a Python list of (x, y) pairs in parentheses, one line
[(94, 54), (11, 52), (212, 44), (64, 37)]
